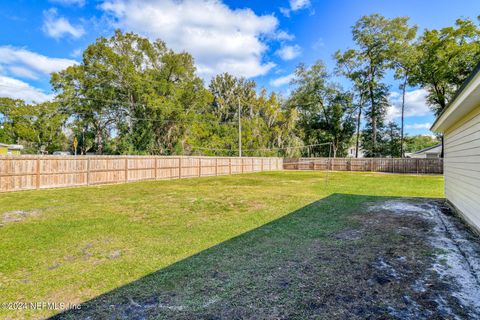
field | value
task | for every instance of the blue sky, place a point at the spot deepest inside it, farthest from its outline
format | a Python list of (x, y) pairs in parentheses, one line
[(262, 40)]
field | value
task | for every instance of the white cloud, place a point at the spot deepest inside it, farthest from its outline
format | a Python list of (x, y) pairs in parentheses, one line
[(76, 53), (283, 35), (285, 11), (295, 5), (281, 81), (289, 52), (58, 27), (415, 104), (23, 72), (426, 125), (219, 38), (27, 64), (16, 89), (79, 3)]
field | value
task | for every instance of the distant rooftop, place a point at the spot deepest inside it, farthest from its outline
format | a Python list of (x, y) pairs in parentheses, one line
[(427, 149), (12, 146)]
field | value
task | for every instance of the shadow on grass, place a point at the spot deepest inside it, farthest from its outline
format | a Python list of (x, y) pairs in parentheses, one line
[(315, 258)]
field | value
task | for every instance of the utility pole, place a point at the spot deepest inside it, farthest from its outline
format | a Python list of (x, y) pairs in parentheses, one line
[(239, 129)]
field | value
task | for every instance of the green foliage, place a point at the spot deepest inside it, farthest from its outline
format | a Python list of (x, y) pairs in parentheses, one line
[(372, 138), (145, 93), (38, 127), (446, 58), (133, 96), (375, 38), (130, 95), (404, 56), (325, 110), (267, 126), (392, 140), (419, 142)]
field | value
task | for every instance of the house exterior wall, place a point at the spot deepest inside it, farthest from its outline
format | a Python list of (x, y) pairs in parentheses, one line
[(352, 150), (5, 150), (430, 153), (462, 166)]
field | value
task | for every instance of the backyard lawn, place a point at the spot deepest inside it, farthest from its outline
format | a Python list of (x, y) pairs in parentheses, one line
[(174, 243)]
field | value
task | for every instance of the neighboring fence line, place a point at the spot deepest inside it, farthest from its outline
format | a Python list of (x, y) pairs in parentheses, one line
[(393, 165), (42, 172)]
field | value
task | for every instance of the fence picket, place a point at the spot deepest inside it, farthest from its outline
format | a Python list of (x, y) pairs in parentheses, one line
[(391, 165), (43, 172)]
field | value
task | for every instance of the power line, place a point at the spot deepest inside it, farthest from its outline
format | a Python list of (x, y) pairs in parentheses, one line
[(267, 149)]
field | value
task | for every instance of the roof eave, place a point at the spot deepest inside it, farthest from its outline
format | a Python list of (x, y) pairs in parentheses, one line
[(469, 92)]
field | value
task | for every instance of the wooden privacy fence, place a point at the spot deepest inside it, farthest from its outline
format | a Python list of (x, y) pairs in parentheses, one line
[(42, 172), (393, 165)]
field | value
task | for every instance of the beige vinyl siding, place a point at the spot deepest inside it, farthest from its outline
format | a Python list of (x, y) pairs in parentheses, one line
[(462, 166)]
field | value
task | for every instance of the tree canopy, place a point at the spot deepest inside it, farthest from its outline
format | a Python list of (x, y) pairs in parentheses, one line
[(132, 95)]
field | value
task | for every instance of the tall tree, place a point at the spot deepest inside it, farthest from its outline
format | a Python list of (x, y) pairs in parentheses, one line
[(267, 125), (37, 126), (392, 140), (372, 36), (145, 93), (325, 110), (446, 58), (350, 67), (373, 144), (366, 66), (404, 56)]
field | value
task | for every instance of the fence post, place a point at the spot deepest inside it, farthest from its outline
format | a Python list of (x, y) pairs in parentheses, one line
[(241, 162), (88, 171), (38, 172), (216, 166), (349, 164), (416, 162), (261, 164), (126, 168), (179, 168), (229, 166), (199, 167), (156, 167)]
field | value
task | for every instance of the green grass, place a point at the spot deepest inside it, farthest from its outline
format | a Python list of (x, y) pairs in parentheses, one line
[(83, 242)]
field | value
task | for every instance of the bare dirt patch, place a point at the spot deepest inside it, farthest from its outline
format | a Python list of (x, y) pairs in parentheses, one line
[(17, 216), (456, 260)]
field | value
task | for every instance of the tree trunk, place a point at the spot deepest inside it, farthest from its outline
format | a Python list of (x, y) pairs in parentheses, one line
[(374, 121), (99, 141), (359, 118), (404, 87), (443, 147)]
